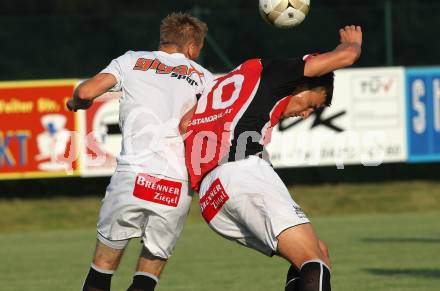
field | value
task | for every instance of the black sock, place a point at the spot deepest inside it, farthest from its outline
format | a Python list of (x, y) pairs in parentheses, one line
[(98, 280), (142, 282), (292, 280), (315, 276)]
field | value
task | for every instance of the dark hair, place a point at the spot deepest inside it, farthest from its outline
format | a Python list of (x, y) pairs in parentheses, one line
[(180, 28), (325, 81)]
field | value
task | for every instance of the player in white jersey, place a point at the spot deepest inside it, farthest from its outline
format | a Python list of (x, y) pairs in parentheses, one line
[(148, 193)]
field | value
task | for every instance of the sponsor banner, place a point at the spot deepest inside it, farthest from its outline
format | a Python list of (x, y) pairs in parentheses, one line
[(368, 123), (37, 132), (102, 136), (364, 125), (423, 111)]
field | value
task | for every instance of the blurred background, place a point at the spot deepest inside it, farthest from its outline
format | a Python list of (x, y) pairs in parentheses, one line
[(381, 222), (75, 38)]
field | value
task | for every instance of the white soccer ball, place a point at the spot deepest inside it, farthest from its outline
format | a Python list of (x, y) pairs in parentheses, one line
[(284, 13)]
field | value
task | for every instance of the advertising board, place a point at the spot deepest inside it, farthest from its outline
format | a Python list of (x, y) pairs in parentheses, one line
[(37, 136), (423, 111), (364, 125)]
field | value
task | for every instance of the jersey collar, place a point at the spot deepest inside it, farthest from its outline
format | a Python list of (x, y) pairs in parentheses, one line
[(173, 55)]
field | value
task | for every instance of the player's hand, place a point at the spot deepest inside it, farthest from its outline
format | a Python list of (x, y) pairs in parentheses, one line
[(344, 55), (74, 104), (70, 104), (351, 34)]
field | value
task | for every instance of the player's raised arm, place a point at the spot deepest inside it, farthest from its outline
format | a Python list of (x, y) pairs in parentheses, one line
[(90, 89), (344, 55)]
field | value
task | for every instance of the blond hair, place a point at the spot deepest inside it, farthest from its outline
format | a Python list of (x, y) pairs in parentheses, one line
[(181, 28)]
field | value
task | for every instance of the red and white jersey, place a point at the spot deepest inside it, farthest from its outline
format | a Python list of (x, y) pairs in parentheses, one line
[(157, 90), (235, 118)]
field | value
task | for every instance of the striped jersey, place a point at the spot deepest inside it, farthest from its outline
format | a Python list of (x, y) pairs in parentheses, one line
[(236, 117)]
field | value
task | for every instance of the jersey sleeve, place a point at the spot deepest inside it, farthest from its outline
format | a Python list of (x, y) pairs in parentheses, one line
[(282, 75), (117, 68)]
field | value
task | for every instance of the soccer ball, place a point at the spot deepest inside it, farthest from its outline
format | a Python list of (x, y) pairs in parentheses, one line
[(284, 13)]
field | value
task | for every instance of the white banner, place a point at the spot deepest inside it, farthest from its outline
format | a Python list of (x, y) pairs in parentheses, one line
[(364, 125), (101, 135)]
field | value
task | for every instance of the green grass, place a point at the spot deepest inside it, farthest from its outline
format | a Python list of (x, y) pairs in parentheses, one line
[(381, 237), (368, 198), (342, 199), (370, 252)]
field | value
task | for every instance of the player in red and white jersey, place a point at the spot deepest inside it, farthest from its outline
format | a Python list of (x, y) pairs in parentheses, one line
[(234, 120), (148, 193), (241, 196)]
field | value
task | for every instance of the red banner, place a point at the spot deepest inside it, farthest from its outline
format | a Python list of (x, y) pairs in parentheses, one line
[(37, 132)]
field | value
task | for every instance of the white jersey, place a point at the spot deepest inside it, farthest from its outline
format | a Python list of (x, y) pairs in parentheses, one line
[(157, 90)]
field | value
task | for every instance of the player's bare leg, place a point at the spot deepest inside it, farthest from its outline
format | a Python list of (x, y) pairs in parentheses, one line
[(148, 271), (325, 252), (107, 258), (105, 262), (308, 256)]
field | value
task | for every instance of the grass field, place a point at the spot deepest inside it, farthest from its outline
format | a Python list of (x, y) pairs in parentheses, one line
[(381, 237)]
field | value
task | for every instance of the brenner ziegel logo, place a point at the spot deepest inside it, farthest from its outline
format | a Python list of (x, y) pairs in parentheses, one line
[(213, 200), (157, 190)]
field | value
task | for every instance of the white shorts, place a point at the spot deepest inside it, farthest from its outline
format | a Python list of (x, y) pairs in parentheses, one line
[(152, 207), (246, 201)]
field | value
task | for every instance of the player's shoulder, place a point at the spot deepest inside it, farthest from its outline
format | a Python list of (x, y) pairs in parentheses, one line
[(130, 56), (138, 54), (250, 66), (277, 61), (202, 70), (197, 65)]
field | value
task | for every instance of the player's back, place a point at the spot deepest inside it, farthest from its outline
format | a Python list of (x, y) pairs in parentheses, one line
[(157, 89), (211, 130), (235, 119)]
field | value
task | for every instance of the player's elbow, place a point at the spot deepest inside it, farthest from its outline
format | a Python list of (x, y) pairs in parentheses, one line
[(183, 126), (84, 93)]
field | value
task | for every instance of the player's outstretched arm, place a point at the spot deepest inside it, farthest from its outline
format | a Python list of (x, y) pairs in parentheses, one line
[(88, 90), (344, 55)]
